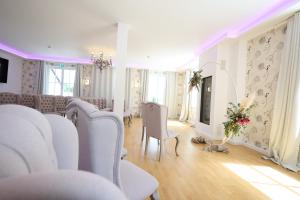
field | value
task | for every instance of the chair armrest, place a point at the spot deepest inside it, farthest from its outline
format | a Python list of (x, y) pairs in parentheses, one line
[(62, 184)]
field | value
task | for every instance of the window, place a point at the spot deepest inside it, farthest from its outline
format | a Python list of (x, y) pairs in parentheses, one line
[(157, 87), (59, 79)]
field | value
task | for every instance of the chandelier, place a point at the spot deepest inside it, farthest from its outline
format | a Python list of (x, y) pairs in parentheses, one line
[(100, 62)]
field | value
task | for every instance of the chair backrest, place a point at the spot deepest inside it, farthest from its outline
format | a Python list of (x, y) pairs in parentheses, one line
[(65, 141), (25, 142), (143, 114), (101, 136), (60, 103), (102, 103), (9, 98), (156, 120), (29, 100), (46, 103)]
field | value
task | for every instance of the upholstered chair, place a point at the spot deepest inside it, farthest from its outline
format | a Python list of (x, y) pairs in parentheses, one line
[(143, 115), (9, 98), (39, 159), (101, 136), (127, 114), (60, 104), (156, 117), (106, 106), (46, 103), (29, 100)]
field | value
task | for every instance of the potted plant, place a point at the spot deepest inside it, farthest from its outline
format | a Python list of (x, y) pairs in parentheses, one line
[(237, 118), (196, 80)]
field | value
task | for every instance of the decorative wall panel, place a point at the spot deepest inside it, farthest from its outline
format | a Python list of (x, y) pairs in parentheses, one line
[(263, 61), (30, 76)]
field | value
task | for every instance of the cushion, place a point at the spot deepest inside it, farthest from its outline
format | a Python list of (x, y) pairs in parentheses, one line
[(137, 184), (38, 120), (24, 150)]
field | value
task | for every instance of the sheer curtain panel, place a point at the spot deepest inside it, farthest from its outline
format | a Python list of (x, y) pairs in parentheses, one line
[(285, 131)]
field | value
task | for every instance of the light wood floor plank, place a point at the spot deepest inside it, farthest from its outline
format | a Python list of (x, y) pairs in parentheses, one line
[(197, 174)]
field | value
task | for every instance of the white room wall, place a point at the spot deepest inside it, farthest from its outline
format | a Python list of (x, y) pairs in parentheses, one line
[(208, 70), (231, 86), (224, 84), (14, 78)]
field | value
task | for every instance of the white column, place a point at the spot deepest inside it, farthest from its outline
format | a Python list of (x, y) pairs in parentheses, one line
[(120, 69)]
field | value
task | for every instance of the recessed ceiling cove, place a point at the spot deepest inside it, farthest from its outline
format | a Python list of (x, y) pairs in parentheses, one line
[(163, 33)]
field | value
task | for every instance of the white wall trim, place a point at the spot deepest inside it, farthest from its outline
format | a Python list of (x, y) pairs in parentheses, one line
[(255, 148)]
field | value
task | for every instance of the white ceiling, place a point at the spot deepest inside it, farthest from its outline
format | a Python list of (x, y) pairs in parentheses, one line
[(168, 31)]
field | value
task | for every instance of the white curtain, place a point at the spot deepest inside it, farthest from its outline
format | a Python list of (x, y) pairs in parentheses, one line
[(184, 114), (128, 84), (171, 94), (144, 84), (189, 103), (157, 87), (136, 87), (102, 83), (40, 84), (77, 83), (163, 89), (285, 131)]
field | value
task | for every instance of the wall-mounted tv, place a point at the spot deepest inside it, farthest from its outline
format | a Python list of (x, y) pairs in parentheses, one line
[(3, 70)]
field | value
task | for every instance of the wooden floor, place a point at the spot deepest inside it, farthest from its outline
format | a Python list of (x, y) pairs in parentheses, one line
[(196, 174)]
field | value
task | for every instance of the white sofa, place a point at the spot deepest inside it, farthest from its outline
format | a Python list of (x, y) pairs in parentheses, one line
[(101, 136), (39, 159)]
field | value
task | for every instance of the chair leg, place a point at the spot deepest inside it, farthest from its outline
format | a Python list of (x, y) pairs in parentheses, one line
[(143, 133), (146, 145), (176, 146), (130, 119), (160, 147), (155, 195)]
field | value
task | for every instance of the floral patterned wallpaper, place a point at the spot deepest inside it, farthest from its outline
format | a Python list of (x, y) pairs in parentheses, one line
[(263, 60), (180, 91), (135, 91), (30, 76), (86, 73)]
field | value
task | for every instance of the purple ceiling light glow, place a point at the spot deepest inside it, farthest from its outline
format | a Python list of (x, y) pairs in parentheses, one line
[(60, 59), (231, 33), (211, 42), (246, 26), (13, 51), (24, 55), (237, 31)]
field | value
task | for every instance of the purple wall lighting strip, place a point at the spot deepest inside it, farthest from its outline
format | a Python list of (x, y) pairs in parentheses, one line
[(231, 33), (246, 26), (24, 55)]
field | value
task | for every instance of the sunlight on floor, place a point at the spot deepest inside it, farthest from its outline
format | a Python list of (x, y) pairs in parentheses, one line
[(175, 123), (272, 183)]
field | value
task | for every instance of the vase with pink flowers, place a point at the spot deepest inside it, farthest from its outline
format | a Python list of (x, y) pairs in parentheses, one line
[(238, 118)]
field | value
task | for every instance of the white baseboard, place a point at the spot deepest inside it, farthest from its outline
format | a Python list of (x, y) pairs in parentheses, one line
[(234, 142), (207, 135), (255, 148)]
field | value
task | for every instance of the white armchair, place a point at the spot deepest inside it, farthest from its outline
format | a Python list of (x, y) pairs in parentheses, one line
[(33, 151), (156, 119), (101, 136)]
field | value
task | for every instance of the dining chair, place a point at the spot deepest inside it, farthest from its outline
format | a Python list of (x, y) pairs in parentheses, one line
[(156, 118), (143, 115)]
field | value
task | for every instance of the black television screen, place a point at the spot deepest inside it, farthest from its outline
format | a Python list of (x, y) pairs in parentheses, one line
[(3, 70)]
